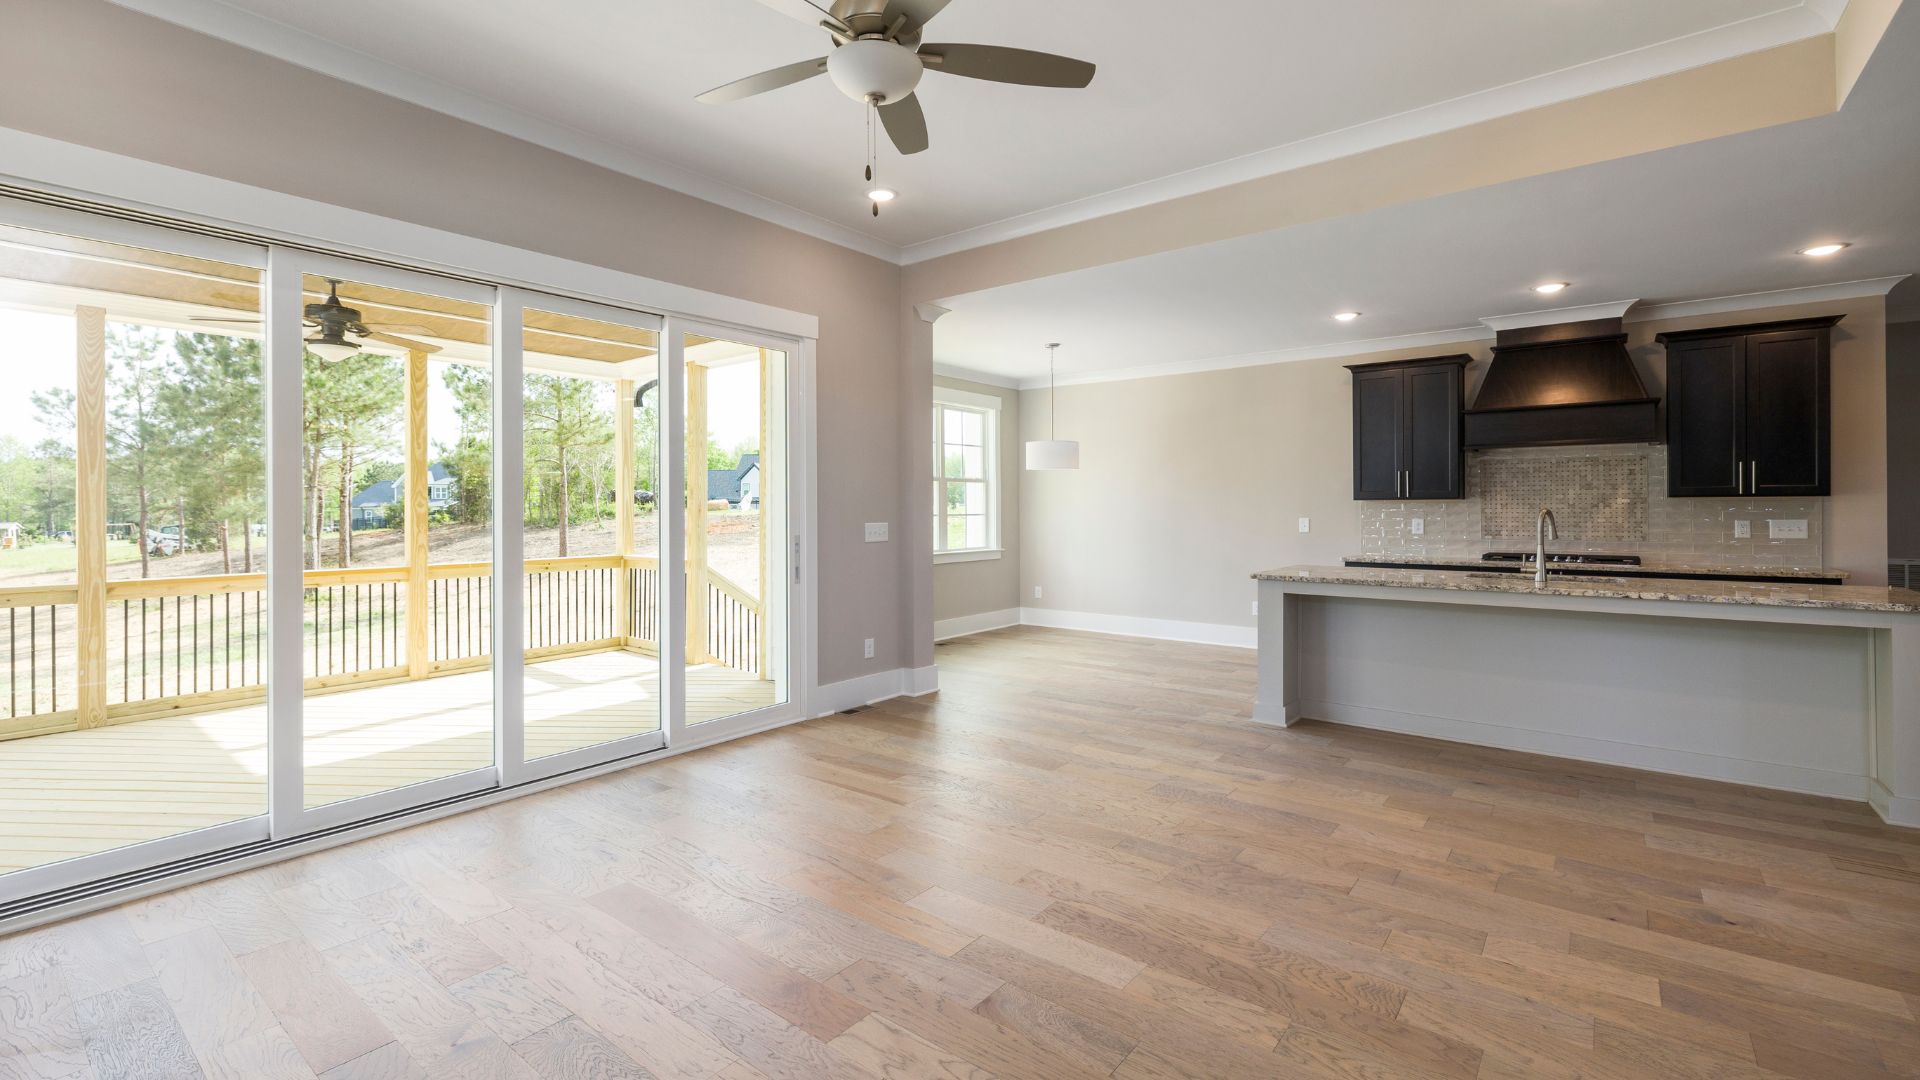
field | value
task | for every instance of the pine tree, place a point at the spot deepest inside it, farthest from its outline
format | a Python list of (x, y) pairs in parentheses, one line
[(216, 412), (566, 417), (136, 437)]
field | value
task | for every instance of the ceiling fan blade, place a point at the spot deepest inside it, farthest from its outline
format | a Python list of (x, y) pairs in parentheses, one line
[(810, 13), (997, 63), (763, 82), (406, 343), (918, 13), (906, 124)]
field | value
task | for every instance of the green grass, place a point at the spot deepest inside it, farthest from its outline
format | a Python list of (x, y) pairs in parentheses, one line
[(46, 558)]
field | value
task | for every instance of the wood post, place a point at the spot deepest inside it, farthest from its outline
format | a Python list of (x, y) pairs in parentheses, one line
[(90, 513), (623, 505), (696, 513), (415, 479)]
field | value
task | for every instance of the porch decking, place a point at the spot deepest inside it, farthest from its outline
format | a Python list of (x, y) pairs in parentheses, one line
[(79, 792)]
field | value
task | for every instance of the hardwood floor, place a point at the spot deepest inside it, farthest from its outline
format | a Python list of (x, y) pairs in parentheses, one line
[(1080, 859)]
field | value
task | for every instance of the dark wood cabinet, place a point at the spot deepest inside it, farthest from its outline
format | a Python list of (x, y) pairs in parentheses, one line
[(1406, 429), (1748, 409)]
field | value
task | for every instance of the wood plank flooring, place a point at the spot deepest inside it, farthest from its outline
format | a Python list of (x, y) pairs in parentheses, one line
[(78, 792), (1079, 860)]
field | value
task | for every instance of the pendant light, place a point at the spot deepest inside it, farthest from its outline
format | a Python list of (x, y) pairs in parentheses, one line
[(1052, 453)]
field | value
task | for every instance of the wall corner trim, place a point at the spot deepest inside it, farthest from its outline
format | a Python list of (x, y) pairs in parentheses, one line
[(931, 313)]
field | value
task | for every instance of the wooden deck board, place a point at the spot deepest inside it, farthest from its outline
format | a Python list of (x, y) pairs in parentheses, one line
[(79, 792)]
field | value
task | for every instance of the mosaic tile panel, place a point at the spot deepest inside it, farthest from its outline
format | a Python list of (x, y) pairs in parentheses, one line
[(1593, 497), (1505, 490)]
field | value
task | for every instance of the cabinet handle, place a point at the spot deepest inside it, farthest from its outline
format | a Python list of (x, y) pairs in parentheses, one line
[(1753, 477), (1740, 477)]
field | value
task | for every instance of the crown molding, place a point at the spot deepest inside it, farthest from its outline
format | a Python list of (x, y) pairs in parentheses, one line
[(276, 39), (1701, 49), (1808, 294), (1262, 359), (1718, 305), (954, 371), (1612, 309)]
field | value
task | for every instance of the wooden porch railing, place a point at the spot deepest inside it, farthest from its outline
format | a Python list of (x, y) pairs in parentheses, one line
[(195, 643)]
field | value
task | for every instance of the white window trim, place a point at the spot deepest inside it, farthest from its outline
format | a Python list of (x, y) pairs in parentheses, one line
[(991, 406)]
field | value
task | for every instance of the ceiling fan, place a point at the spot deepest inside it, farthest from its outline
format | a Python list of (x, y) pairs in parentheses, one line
[(335, 321), (878, 59)]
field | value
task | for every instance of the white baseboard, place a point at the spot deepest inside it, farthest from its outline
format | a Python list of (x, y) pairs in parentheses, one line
[(1239, 637), (1602, 751), (875, 688), (1893, 809), (961, 626)]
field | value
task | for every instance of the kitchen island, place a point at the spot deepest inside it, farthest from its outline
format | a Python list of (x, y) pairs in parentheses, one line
[(1812, 688)]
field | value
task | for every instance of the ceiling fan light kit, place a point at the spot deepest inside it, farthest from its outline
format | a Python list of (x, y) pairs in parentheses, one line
[(878, 60)]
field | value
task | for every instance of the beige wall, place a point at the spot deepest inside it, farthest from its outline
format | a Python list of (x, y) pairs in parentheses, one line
[(1903, 440), (88, 72), (974, 588), (1190, 483)]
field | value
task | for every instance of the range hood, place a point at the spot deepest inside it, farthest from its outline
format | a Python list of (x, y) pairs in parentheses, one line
[(1562, 378)]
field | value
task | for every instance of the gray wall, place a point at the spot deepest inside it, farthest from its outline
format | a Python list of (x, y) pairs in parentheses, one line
[(975, 588), (88, 72), (1903, 440)]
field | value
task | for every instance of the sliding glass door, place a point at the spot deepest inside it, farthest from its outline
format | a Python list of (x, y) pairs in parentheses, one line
[(290, 541), (133, 610), (590, 515), (740, 536), (386, 467)]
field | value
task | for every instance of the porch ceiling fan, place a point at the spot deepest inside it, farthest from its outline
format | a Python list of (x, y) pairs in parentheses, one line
[(339, 326), (878, 59)]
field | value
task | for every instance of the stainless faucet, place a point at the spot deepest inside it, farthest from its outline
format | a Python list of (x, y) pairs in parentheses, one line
[(1544, 529)]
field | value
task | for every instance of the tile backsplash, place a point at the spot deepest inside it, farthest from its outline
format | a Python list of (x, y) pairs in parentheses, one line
[(1604, 498)]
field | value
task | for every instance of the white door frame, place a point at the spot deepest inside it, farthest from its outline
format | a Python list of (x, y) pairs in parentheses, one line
[(801, 629), (509, 638), (286, 695)]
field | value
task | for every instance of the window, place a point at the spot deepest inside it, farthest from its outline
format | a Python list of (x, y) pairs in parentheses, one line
[(966, 482)]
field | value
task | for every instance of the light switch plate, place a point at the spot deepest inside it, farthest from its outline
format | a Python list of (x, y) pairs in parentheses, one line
[(1787, 528), (1303, 524), (1742, 529), (876, 532), (1419, 527)]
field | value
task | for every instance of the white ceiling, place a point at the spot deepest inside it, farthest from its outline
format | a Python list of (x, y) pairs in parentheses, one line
[(1188, 96), (1713, 219)]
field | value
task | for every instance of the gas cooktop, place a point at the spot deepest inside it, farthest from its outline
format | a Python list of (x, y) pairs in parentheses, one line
[(1563, 557)]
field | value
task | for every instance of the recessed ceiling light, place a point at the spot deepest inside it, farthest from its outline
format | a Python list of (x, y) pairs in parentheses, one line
[(1549, 288), (1821, 251), (881, 194), (1345, 316)]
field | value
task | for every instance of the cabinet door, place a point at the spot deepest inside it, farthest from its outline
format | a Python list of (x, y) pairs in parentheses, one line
[(1704, 406), (1377, 404), (1786, 406), (1433, 463)]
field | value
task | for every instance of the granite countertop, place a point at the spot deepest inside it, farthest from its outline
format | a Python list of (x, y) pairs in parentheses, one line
[(1650, 568), (1847, 597)]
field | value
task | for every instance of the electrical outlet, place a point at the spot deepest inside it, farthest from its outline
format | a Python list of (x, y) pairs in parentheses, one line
[(1304, 523), (1036, 592), (876, 532), (1256, 609), (1419, 527), (1787, 528), (1743, 529), (869, 648)]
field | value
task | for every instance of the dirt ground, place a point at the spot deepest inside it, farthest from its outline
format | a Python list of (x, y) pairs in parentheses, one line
[(733, 548)]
